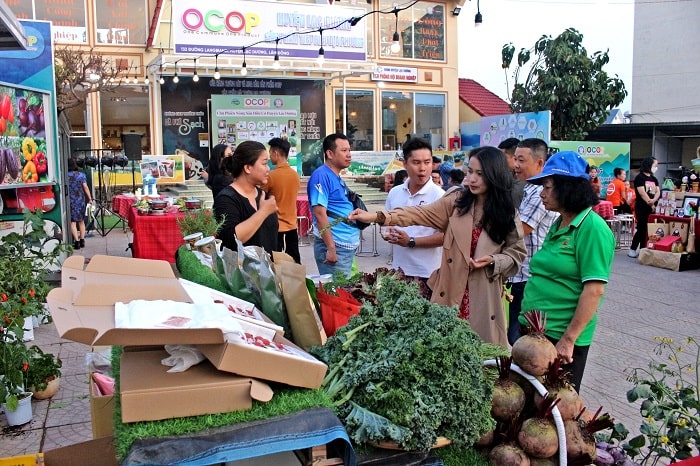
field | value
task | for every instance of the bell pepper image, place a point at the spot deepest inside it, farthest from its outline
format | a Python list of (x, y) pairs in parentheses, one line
[(28, 148), (29, 174), (41, 164)]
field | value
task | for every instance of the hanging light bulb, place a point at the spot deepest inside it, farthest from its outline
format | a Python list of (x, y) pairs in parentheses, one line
[(176, 79), (217, 75), (244, 67), (395, 44), (161, 80), (195, 77), (321, 53), (146, 81), (276, 62)]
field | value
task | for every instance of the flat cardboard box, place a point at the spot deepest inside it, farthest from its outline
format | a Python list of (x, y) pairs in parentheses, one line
[(150, 393), (101, 413), (83, 311), (97, 452)]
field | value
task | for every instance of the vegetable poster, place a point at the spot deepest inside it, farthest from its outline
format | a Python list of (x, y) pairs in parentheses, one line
[(237, 118), (498, 128)]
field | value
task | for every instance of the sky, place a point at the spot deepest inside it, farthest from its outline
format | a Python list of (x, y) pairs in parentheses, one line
[(604, 24)]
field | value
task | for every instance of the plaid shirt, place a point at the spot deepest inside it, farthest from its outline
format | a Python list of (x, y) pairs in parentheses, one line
[(533, 213)]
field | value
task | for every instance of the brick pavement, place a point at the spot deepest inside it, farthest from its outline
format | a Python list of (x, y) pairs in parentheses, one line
[(641, 302)]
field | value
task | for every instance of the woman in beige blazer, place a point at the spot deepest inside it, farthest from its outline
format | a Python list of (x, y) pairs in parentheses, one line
[(483, 242)]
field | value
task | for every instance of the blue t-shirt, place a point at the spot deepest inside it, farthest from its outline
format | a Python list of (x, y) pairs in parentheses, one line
[(327, 189)]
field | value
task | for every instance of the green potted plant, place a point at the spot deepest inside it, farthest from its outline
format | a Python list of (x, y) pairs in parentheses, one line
[(44, 374), (14, 364), (201, 220)]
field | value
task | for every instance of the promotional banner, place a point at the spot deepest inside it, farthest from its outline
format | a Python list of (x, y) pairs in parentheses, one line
[(215, 27), (29, 163), (164, 168), (369, 163), (258, 118), (496, 129), (606, 156)]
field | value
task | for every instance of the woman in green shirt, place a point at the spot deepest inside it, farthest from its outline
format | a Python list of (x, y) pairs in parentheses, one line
[(569, 273)]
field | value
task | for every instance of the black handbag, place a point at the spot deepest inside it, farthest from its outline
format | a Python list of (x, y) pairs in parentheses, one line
[(357, 203)]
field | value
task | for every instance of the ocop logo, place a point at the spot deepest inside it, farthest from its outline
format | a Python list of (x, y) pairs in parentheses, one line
[(257, 102), (594, 149)]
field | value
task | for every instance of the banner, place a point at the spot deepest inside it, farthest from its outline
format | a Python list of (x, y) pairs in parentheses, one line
[(215, 27), (164, 168), (605, 155), (496, 129), (237, 118), (369, 163)]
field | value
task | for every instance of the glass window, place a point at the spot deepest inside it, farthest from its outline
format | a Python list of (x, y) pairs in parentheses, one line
[(359, 117), (421, 31), (407, 114), (121, 22), (68, 17), (22, 9)]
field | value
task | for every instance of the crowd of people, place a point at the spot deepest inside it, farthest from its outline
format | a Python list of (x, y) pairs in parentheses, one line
[(510, 223)]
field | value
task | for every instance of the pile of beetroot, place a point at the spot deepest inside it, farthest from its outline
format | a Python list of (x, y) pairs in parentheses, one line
[(526, 401)]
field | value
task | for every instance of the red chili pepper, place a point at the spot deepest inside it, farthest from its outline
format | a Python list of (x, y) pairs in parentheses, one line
[(25, 366), (32, 293), (23, 299), (3, 297)]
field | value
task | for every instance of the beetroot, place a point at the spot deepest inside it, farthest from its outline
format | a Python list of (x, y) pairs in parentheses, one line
[(533, 352), (538, 435), (507, 454), (553, 461), (508, 397), (557, 383), (580, 439)]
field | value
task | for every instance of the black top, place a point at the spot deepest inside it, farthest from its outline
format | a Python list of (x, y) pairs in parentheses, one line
[(650, 184), (218, 181), (237, 209)]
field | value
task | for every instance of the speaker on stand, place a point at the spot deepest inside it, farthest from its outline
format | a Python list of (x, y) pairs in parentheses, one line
[(131, 142)]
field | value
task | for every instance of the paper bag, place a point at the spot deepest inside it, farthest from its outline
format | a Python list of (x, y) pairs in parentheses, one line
[(306, 325), (664, 260), (690, 247), (679, 229), (657, 229)]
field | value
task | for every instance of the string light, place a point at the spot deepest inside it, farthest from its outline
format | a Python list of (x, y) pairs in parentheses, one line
[(195, 78), (244, 67), (217, 75), (176, 79), (321, 53), (276, 63), (395, 44)]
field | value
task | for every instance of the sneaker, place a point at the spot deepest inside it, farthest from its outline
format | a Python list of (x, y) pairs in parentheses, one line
[(76, 245), (632, 253)]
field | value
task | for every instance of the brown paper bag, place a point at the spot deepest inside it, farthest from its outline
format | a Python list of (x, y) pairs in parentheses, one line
[(307, 329), (657, 229), (690, 247), (664, 260), (679, 229)]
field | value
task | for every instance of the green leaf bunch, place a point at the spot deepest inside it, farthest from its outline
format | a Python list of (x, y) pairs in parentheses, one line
[(407, 370)]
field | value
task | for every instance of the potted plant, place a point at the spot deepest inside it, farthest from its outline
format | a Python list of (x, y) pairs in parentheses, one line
[(201, 220), (14, 364), (44, 373)]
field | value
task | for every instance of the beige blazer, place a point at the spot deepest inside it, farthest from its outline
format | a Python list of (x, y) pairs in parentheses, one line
[(487, 316)]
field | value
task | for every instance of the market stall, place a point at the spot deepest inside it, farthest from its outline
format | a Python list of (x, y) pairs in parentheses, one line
[(155, 236)]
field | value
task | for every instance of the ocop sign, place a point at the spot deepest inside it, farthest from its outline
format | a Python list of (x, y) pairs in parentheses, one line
[(215, 20), (383, 73)]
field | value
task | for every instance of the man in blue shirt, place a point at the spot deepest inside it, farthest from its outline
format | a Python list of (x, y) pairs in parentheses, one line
[(335, 240)]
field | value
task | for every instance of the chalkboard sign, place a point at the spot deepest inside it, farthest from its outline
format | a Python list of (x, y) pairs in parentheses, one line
[(121, 21)]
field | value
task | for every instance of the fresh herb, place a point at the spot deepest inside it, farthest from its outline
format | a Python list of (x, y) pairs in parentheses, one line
[(407, 370)]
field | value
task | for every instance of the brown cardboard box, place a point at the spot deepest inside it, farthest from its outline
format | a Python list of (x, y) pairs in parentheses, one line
[(150, 393), (101, 413), (97, 452), (83, 311)]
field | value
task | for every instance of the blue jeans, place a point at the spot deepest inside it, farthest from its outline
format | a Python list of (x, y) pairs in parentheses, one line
[(345, 258)]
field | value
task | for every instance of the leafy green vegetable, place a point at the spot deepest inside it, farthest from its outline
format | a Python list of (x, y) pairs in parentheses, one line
[(407, 370)]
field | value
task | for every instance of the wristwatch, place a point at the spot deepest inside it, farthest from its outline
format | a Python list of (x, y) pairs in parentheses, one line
[(411, 242)]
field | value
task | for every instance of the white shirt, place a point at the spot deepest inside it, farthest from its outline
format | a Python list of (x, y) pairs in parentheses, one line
[(415, 262)]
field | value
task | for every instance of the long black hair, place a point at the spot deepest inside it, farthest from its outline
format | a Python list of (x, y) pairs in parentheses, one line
[(574, 194), (217, 155), (246, 153), (646, 165), (499, 210)]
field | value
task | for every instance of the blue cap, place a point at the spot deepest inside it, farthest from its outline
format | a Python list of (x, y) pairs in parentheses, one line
[(566, 163)]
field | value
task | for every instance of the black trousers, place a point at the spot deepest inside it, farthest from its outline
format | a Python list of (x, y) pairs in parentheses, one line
[(576, 368), (288, 241)]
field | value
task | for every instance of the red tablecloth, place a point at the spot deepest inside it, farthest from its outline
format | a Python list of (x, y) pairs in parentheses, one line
[(303, 210), (604, 209), (155, 236), (668, 219), (121, 205)]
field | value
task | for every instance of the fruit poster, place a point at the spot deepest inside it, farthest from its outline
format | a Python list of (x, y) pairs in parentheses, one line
[(23, 152)]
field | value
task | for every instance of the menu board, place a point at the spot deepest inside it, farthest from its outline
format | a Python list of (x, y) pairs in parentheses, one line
[(121, 21), (429, 35), (259, 118)]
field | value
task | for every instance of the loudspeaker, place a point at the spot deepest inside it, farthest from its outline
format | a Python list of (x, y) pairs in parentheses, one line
[(79, 145), (131, 142)]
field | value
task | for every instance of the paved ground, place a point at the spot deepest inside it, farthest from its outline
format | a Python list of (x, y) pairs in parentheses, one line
[(641, 302)]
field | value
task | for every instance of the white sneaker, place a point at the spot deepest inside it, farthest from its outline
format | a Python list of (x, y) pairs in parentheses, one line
[(632, 253)]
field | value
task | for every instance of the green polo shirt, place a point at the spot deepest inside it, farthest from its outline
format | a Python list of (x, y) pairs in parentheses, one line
[(569, 257)]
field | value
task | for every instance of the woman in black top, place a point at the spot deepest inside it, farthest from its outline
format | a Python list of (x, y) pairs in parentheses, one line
[(248, 213), (216, 178), (646, 188)]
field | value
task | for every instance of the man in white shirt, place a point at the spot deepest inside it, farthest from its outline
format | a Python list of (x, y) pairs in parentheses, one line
[(418, 249)]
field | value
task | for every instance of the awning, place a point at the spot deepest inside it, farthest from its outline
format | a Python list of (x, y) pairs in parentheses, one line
[(625, 132), (12, 35)]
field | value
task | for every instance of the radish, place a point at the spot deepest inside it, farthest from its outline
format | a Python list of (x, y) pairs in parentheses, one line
[(580, 441), (538, 435), (508, 397), (508, 454), (533, 352), (556, 381)]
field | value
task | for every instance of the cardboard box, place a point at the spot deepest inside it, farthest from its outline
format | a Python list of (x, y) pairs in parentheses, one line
[(666, 243), (150, 393), (97, 452), (83, 311), (101, 413)]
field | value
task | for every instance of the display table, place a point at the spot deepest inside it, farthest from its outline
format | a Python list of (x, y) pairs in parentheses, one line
[(155, 236), (604, 209), (303, 218), (669, 219), (121, 205)]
